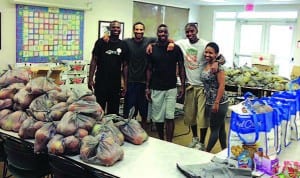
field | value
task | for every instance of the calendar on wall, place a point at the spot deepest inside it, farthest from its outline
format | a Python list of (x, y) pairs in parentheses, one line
[(46, 34)]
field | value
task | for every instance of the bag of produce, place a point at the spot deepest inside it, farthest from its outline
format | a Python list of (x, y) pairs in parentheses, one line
[(59, 145), (108, 128), (29, 127), (18, 75), (56, 145), (72, 145), (71, 121), (40, 107), (23, 99), (133, 131), (4, 112), (11, 90), (43, 135), (81, 133), (41, 85), (57, 111), (6, 103), (77, 94), (89, 108), (60, 96), (13, 121), (102, 150)]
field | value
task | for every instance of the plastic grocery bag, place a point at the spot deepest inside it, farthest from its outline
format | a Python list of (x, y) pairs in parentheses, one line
[(101, 149), (110, 128), (43, 135), (17, 75), (132, 131)]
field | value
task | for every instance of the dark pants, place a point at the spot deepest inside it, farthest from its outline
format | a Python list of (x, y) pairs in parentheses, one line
[(135, 97), (217, 126), (108, 98)]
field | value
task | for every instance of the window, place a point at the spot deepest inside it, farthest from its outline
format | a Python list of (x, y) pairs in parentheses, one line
[(153, 15), (225, 42), (247, 33)]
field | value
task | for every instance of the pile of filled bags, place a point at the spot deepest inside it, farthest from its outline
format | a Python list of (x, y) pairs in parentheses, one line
[(62, 120)]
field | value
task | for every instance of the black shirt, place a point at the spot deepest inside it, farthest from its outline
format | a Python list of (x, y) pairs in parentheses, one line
[(110, 56), (137, 59), (164, 67)]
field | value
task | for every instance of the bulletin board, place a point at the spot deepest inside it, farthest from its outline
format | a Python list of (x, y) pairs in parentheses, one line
[(47, 34)]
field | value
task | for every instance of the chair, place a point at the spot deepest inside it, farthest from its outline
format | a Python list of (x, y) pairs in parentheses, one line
[(63, 167), (22, 162), (3, 157)]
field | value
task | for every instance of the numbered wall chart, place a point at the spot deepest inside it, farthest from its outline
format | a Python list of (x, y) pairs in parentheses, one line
[(48, 34)]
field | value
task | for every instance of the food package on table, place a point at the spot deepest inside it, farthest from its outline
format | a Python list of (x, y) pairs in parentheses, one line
[(41, 85), (43, 135), (111, 118), (41, 106), (77, 94), (89, 108), (71, 121), (11, 90), (132, 131), (62, 95), (13, 121), (22, 99), (59, 145), (81, 133), (55, 145), (72, 145), (109, 128), (57, 111), (18, 75), (6, 103), (29, 127), (102, 150), (4, 112)]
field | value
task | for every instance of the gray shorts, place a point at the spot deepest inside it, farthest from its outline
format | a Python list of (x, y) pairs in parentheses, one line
[(163, 104)]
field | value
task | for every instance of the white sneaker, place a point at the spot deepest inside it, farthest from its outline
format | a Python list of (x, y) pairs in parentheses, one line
[(195, 141)]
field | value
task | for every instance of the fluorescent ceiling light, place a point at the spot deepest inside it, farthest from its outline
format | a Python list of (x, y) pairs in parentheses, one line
[(214, 0), (281, 0)]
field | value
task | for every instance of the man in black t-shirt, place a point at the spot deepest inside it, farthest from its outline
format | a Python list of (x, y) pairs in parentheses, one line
[(105, 69), (135, 73), (161, 78)]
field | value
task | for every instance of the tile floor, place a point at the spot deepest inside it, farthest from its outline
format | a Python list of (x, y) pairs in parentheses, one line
[(183, 135)]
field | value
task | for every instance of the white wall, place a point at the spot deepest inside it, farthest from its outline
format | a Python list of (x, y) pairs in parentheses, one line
[(100, 10), (8, 34), (114, 10)]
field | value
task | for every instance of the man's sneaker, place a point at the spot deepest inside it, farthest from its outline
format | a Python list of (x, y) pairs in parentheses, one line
[(200, 146), (195, 141)]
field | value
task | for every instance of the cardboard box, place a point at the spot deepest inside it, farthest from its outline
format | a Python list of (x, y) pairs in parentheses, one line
[(263, 59), (263, 67), (295, 72), (43, 71)]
